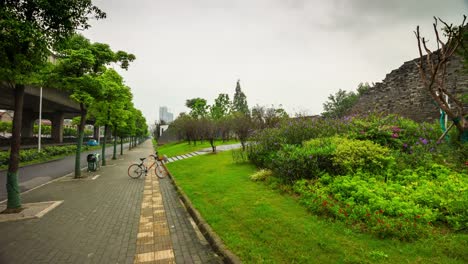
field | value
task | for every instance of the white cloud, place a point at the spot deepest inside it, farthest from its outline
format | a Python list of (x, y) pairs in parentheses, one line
[(292, 52)]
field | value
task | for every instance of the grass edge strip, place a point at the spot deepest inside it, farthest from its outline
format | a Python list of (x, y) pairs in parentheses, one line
[(212, 238)]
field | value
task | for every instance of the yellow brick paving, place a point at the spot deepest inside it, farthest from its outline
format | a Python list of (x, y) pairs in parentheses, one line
[(154, 243)]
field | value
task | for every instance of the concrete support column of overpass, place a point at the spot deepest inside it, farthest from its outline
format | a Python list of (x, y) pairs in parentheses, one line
[(27, 123), (57, 127)]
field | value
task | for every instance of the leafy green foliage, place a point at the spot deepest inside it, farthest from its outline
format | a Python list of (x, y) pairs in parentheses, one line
[(27, 155), (239, 103), (379, 174), (354, 155), (406, 207), (29, 29), (5, 127), (261, 175), (198, 107), (221, 107), (339, 104)]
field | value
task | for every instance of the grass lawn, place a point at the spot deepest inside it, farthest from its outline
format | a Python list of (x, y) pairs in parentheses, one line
[(261, 225), (179, 148)]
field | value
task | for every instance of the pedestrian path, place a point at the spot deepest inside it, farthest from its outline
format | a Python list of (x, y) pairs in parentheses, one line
[(203, 151), (109, 219), (153, 240)]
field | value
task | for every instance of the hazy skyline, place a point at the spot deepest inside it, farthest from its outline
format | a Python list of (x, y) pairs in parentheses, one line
[(290, 52)]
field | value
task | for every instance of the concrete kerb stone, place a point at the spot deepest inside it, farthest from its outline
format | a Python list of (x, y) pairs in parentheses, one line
[(212, 238)]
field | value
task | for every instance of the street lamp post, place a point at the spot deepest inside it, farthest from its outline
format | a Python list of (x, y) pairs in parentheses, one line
[(40, 122)]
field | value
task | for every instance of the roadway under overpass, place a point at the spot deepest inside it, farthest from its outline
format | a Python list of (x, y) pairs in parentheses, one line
[(56, 106)]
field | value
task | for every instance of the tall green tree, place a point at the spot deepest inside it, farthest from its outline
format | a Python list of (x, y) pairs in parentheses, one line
[(239, 103), (78, 69), (221, 107), (340, 103), (198, 107), (108, 109), (27, 30)]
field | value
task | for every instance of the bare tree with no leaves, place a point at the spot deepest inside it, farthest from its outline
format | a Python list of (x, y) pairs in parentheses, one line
[(433, 71)]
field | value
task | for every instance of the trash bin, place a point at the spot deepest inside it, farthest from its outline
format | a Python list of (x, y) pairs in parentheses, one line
[(93, 161)]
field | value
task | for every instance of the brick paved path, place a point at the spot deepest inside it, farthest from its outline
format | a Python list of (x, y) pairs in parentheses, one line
[(98, 221)]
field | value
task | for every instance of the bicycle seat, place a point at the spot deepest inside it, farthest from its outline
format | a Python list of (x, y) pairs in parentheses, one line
[(142, 159)]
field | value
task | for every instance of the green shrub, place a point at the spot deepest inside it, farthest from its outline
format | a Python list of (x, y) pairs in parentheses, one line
[(261, 175), (353, 155), (296, 162), (264, 145), (27, 155), (4, 157), (407, 207)]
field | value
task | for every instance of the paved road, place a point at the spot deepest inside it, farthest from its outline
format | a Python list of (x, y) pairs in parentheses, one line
[(35, 175), (99, 220)]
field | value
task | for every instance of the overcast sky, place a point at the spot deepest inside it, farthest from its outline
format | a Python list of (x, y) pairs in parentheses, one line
[(289, 52)]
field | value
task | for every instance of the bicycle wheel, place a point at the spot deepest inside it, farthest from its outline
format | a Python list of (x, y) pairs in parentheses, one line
[(160, 171), (135, 171)]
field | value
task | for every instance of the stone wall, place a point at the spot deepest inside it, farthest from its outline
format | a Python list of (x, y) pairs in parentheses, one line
[(402, 92)]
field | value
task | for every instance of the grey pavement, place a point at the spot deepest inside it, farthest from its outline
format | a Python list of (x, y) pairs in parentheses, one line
[(222, 147), (34, 175), (203, 151), (98, 221)]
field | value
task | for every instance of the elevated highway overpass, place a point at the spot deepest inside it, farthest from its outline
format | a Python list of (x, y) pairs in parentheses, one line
[(56, 106)]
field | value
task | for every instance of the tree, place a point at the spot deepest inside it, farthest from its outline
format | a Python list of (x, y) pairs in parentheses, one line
[(433, 72), (239, 103), (339, 104), (267, 117), (209, 130), (78, 69), (28, 29), (198, 107), (108, 109), (221, 107), (242, 125)]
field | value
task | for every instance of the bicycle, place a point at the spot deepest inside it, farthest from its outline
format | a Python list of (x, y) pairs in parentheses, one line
[(137, 169)]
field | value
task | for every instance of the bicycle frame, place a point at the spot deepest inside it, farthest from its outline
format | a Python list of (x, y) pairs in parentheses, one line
[(159, 169), (154, 163)]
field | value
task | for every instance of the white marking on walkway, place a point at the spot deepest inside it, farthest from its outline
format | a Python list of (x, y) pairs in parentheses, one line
[(95, 177), (51, 181)]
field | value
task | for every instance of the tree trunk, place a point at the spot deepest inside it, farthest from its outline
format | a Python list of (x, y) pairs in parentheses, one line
[(79, 144), (114, 155), (213, 147), (106, 128), (121, 146), (13, 191)]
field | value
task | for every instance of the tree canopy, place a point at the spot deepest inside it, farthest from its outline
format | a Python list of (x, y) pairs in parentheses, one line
[(239, 103)]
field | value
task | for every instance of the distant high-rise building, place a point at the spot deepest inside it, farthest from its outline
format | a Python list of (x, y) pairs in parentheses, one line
[(165, 115)]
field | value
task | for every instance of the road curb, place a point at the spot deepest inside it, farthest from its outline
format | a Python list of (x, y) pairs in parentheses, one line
[(213, 239)]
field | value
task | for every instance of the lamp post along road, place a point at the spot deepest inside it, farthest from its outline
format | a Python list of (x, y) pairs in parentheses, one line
[(40, 122)]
